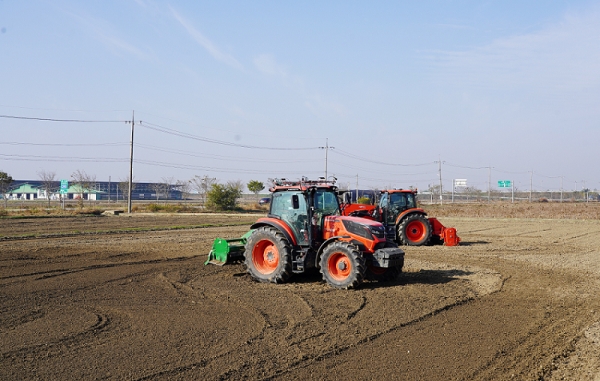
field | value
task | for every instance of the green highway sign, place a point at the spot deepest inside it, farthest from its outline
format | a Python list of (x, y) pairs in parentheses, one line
[(64, 186), (504, 184)]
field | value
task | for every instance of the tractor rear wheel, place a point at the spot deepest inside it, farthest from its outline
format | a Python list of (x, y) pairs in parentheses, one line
[(342, 265), (414, 230), (268, 256)]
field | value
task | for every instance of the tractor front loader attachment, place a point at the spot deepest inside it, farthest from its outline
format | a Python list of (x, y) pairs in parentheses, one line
[(227, 250)]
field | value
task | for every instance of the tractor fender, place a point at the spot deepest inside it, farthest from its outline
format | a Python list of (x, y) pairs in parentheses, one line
[(277, 224), (327, 243), (409, 212)]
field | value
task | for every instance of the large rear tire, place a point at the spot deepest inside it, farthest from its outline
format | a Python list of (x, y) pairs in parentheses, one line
[(342, 265), (415, 230), (268, 256)]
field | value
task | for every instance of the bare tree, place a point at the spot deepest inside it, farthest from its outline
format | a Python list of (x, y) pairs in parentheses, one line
[(202, 185), (157, 188), (5, 181), (49, 184), (472, 191), (124, 187), (85, 184), (168, 183), (237, 185), (434, 191), (91, 185), (184, 187)]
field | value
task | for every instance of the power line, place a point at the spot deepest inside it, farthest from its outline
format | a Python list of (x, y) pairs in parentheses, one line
[(371, 170), (65, 144), (295, 137), (62, 120), (353, 156), (222, 157), (60, 158), (228, 170), (174, 132), (464, 166)]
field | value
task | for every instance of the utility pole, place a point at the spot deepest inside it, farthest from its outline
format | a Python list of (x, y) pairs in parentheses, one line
[(512, 197), (356, 189), (489, 184), (326, 148), (440, 173), (530, 185), (561, 188), (131, 164)]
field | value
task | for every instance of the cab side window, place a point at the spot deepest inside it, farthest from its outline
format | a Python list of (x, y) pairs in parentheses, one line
[(383, 201), (283, 207), (281, 202)]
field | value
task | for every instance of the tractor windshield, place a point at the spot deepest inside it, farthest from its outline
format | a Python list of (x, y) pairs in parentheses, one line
[(326, 202), (403, 201)]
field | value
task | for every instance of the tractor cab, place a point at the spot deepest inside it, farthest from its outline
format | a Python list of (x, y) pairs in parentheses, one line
[(303, 208), (394, 202)]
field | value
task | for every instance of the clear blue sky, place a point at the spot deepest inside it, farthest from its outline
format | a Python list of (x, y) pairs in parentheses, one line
[(395, 86)]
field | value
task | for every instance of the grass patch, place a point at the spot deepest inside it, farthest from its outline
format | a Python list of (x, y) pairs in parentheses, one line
[(168, 208)]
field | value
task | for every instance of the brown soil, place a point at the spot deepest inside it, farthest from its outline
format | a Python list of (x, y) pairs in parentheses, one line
[(130, 298)]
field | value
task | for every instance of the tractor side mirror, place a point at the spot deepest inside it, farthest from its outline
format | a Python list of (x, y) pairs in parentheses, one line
[(295, 202)]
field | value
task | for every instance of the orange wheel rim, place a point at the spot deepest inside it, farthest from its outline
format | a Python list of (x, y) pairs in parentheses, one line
[(265, 256), (339, 266), (415, 230)]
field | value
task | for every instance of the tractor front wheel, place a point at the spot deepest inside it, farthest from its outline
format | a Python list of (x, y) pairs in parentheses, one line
[(342, 265), (268, 256), (415, 230)]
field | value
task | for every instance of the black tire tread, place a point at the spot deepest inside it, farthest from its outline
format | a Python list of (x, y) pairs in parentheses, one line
[(402, 238), (359, 265), (284, 270)]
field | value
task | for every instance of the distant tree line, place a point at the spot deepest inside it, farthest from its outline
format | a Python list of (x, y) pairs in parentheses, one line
[(210, 192)]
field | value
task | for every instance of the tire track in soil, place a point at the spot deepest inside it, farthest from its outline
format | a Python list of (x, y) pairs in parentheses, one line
[(452, 330), (294, 356), (53, 348), (60, 272), (531, 343), (186, 289), (266, 340)]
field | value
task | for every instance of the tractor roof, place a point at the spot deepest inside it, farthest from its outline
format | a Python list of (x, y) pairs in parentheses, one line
[(301, 185), (399, 191)]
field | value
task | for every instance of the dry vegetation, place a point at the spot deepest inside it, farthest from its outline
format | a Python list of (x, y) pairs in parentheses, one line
[(552, 210)]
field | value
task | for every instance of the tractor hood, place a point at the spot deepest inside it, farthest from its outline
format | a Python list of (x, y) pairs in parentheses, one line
[(369, 232)]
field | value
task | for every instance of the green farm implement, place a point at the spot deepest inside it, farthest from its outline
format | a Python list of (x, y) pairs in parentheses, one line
[(227, 250)]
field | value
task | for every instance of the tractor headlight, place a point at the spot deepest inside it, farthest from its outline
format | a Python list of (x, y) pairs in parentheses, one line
[(358, 229), (378, 231)]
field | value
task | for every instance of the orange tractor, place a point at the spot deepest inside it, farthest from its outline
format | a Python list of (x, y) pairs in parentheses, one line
[(304, 230), (405, 223)]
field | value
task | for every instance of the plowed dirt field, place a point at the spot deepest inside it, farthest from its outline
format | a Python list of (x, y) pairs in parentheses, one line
[(129, 298)]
